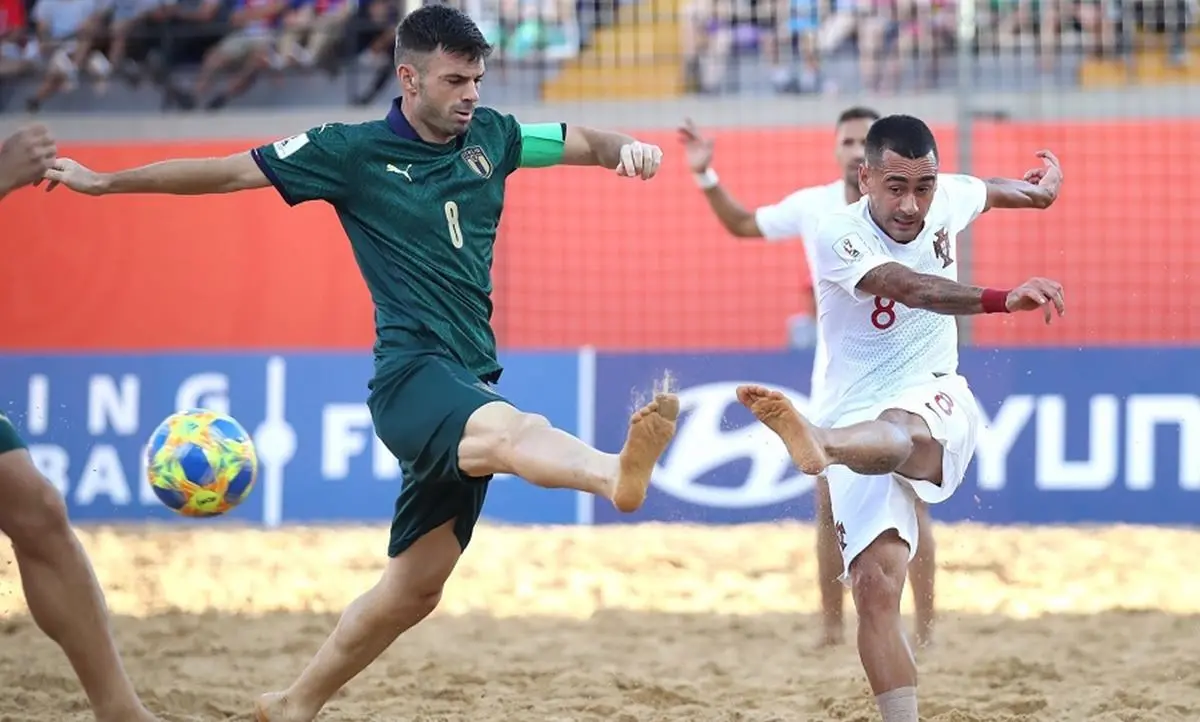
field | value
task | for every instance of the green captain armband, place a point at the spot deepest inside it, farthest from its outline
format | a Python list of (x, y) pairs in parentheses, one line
[(542, 144)]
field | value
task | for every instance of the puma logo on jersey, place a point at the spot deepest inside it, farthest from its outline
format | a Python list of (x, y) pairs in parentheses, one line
[(393, 169)]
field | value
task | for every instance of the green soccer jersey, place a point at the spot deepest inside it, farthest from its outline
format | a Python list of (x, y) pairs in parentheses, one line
[(421, 219)]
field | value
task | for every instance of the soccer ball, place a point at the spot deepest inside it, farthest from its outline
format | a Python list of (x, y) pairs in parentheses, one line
[(201, 463)]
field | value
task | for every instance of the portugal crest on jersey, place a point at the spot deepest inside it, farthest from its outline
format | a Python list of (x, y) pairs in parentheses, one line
[(477, 161), (941, 247)]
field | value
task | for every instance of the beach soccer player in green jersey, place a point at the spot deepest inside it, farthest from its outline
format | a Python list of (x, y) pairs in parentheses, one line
[(419, 195)]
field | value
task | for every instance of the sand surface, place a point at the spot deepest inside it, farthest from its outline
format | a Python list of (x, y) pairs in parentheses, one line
[(652, 623)]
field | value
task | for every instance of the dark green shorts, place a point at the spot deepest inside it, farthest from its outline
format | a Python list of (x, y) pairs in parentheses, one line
[(10, 440), (420, 407)]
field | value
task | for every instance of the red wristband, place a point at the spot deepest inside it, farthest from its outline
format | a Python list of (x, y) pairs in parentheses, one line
[(995, 300)]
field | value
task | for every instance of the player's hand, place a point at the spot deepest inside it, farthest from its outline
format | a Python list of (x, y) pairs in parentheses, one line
[(1038, 293), (697, 148), (639, 160), (75, 176), (1049, 176), (25, 157)]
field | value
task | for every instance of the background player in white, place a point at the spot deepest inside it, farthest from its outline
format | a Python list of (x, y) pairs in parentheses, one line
[(900, 422), (796, 216)]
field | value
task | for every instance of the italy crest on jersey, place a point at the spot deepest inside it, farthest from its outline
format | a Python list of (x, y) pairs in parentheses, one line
[(477, 161)]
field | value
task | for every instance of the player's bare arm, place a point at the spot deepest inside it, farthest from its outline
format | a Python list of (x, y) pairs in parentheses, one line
[(630, 157), (941, 295), (24, 158), (736, 218), (1037, 190), (181, 177)]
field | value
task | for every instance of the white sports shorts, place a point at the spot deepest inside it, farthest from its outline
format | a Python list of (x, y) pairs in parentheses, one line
[(864, 507)]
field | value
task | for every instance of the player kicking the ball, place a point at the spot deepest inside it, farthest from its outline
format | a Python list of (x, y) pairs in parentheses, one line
[(900, 423), (419, 195), (60, 587), (796, 216)]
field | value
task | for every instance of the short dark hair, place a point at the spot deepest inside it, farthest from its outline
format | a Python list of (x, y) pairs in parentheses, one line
[(904, 135), (857, 112), (428, 28)]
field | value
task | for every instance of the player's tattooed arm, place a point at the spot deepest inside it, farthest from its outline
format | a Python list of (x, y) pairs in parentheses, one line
[(183, 177), (922, 290)]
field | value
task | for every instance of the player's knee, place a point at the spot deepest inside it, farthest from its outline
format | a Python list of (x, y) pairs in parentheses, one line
[(898, 434), (492, 440), (34, 513), (413, 580), (877, 577)]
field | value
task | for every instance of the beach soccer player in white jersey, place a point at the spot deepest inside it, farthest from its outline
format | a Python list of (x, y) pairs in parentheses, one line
[(796, 216), (900, 423)]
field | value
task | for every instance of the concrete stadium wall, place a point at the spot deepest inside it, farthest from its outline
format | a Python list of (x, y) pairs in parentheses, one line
[(940, 108)]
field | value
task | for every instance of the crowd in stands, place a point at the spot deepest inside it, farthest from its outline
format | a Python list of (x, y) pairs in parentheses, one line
[(231, 44), (793, 37)]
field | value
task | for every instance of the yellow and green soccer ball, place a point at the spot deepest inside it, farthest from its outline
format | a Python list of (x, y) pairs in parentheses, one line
[(201, 463)]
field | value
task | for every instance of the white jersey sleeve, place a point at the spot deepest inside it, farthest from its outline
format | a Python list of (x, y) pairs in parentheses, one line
[(785, 219), (846, 251), (969, 198)]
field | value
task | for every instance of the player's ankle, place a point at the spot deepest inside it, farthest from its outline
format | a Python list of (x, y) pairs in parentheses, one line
[(898, 705)]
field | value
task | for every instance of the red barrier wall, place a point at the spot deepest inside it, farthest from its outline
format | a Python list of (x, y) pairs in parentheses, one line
[(585, 257)]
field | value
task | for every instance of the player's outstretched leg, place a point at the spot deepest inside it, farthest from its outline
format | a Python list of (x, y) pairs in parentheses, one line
[(871, 447), (829, 570), (496, 439), (500, 439), (60, 588), (921, 572)]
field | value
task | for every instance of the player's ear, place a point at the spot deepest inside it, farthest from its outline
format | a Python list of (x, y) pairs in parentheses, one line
[(864, 175), (407, 78)]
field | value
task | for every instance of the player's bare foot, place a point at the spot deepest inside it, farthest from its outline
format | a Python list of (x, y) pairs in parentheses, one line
[(274, 707), (651, 429), (777, 413)]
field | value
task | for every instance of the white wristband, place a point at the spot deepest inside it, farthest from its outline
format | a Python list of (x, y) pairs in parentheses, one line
[(706, 180)]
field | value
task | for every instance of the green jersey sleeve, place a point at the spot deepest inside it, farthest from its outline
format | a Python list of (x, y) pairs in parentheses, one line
[(313, 166), (542, 144), (532, 145)]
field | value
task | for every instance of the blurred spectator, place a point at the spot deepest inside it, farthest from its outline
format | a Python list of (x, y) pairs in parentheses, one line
[(1171, 18), (247, 51), (803, 25), (1097, 20), (716, 30), (65, 32), (312, 32), (123, 19), (539, 30), (18, 49)]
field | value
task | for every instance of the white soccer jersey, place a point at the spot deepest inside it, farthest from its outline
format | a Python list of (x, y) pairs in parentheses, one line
[(878, 348), (798, 215)]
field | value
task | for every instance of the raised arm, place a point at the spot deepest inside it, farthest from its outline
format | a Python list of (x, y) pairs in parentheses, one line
[(737, 219), (1037, 190), (183, 177)]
